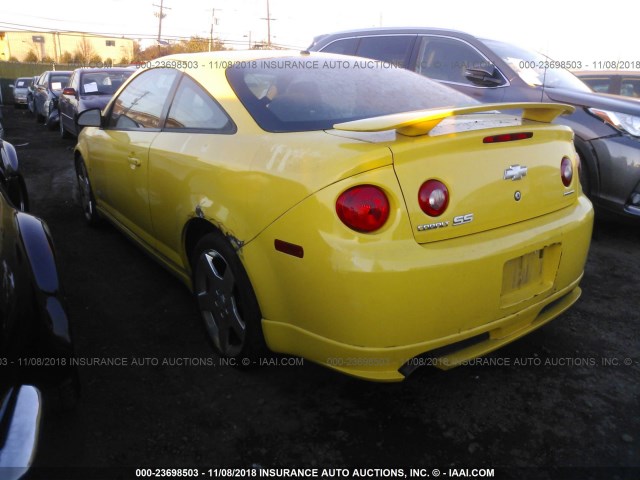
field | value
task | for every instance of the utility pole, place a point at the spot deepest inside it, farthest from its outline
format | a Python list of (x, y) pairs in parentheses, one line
[(269, 20), (160, 16), (214, 21)]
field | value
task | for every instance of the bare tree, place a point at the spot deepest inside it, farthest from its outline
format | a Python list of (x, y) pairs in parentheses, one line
[(85, 50)]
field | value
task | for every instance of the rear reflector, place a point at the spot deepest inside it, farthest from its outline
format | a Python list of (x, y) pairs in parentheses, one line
[(507, 137), (289, 248)]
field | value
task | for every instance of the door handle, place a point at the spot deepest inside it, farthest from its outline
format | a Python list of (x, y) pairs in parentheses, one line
[(134, 162)]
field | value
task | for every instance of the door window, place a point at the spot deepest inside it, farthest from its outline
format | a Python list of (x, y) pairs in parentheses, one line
[(630, 87), (344, 46), (447, 59), (394, 49), (194, 109), (141, 103)]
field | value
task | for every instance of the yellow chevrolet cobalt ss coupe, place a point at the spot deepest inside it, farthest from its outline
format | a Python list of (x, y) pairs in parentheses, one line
[(337, 208)]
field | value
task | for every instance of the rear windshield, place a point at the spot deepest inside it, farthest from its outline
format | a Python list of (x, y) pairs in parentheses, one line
[(23, 82), (102, 83), (300, 94), (59, 81)]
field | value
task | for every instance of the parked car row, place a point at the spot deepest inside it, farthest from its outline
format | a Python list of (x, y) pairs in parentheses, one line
[(607, 128), (56, 97)]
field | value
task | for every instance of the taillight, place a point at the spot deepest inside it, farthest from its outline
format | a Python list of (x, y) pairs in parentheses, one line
[(507, 137), (433, 198), (364, 208), (566, 171)]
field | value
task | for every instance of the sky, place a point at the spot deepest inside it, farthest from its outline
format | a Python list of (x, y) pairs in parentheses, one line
[(564, 30)]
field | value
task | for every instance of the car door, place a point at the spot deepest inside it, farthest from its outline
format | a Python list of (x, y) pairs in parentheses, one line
[(120, 151), (460, 65), (196, 139)]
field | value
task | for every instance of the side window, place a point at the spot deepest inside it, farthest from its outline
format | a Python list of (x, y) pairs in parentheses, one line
[(447, 59), (140, 105), (345, 46), (630, 87), (193, 108), (394, 49), (600, 85)]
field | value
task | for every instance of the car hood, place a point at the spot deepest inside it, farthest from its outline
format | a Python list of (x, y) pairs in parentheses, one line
[(596, 100)]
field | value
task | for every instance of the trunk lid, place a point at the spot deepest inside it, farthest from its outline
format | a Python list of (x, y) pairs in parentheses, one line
[(490, 185)]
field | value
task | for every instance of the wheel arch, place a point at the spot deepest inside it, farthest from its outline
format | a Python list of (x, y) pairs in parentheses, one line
[(589, 162), (194, 230)]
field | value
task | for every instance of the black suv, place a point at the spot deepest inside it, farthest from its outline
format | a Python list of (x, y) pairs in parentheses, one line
[(607, 128)]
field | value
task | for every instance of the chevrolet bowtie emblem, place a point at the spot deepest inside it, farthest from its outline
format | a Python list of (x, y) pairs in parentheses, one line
[(515, 172)]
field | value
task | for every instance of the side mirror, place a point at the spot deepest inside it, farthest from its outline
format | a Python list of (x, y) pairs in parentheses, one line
[(12, 86), (69, 91), (484, 77), (90, 118)]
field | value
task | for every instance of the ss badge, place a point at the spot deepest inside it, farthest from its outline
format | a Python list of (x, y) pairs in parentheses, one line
[(462, 219)]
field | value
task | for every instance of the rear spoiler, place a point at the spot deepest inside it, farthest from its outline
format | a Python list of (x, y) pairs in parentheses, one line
[(421, 122)]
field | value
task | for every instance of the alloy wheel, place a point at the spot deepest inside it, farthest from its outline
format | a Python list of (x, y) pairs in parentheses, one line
[(215, 288)]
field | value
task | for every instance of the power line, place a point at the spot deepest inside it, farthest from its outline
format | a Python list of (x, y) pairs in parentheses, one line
[(131, 36)]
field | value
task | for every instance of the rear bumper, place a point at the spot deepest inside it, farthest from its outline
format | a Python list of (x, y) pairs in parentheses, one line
[(393, 364), (366, 305)]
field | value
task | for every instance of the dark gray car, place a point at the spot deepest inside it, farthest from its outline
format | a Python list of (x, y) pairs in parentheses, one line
[(607, 128), (45, 96), (88, 88)]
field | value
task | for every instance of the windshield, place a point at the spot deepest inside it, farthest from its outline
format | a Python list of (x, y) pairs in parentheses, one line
[(530, 67), (300, 94)]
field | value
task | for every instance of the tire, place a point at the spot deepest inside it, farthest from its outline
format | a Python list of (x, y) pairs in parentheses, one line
[(39, 118), (227, 302), (87, 200), (47, 121), (63, 132)]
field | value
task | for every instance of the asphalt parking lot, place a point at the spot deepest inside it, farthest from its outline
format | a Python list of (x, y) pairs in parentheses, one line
[(562, 402)]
